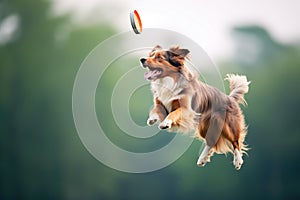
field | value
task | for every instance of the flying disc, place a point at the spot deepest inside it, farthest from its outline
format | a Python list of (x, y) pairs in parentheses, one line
[(136, 22)]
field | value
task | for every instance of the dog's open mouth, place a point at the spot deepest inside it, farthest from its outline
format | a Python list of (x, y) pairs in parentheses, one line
[(152, 74)]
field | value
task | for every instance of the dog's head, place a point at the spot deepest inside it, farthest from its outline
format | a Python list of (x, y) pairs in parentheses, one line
[(162, 63)]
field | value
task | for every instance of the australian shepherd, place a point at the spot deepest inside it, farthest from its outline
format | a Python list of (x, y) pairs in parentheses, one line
[(182, 103)]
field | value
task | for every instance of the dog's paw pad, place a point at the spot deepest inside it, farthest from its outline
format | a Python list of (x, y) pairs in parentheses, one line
[(201, 164), (153, 118), (237, 163), (150, 121), (202, 161), (167, 123)]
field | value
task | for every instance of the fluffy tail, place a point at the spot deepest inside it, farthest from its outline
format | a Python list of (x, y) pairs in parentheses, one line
[(238, 87)]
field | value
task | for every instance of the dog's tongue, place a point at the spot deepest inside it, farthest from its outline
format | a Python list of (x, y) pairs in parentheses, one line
[(150, 74)]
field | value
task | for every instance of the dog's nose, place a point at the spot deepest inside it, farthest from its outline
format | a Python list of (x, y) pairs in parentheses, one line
[(143, 60)]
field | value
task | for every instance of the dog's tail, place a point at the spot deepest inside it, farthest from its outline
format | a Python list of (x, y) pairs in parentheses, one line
[(238, 87)]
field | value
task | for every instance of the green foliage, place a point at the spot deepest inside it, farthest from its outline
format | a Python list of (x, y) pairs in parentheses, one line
[(42, 156)]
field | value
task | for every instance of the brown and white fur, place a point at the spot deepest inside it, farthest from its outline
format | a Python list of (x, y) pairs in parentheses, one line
[(182, 103)]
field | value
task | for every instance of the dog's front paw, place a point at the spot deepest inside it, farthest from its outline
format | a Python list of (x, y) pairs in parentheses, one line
[(152, 119), (167, 123)]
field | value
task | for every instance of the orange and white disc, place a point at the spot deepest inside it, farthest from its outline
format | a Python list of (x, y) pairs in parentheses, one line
[(136, 22)]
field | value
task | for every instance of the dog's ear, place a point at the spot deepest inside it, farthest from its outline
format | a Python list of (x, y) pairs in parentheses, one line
[(180, 52), (157, 47), (176, 55), (174, 59)]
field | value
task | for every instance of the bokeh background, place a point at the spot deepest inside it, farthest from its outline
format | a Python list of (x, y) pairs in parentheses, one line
[(42, 45)]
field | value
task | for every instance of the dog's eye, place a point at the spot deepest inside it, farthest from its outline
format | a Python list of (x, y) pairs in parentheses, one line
[(159, 58)]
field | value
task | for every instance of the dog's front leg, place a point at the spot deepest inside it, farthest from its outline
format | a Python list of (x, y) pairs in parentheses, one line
[(172, 119), (176, 117), (158, 113)]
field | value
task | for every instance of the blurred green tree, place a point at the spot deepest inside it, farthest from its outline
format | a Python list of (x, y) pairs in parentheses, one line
[(37, 68), (42, 156)]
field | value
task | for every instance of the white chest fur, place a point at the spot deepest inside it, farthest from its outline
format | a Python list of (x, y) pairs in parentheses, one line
[(166, 90)]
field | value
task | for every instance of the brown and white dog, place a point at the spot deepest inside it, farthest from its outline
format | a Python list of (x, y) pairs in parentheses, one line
[(182, 103)]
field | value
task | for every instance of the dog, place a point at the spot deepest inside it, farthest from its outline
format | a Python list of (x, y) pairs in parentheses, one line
[(182, 103)]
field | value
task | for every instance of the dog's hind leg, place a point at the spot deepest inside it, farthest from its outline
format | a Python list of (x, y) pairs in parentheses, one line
[(237, 156), (235, 134), (231, 135), (211, 137), (237, 160), (205, 155)]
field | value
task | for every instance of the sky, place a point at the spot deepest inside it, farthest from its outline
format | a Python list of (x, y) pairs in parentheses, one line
[(206, 22)]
